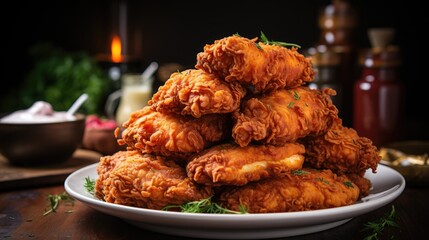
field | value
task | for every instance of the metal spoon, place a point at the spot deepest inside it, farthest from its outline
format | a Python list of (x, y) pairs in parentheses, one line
[(148, 72), (76, 105)]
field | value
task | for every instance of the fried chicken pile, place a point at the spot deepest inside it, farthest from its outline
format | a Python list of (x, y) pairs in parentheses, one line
[(243, 129)]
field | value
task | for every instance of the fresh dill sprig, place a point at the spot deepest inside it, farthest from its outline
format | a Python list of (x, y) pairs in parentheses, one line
[(89, 185), (54, 202), (258, 46), (263, 38), (204, 206), (376, 227)]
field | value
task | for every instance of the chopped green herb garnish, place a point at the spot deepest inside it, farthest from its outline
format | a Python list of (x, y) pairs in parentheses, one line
[(322, 180), (263, 38), (258, 46), (349, 184), (299, 172), (290, 105), (54, 202), (204, 206), (295, 95)]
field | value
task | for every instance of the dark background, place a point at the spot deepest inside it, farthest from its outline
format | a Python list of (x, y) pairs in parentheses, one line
[(175, 32)]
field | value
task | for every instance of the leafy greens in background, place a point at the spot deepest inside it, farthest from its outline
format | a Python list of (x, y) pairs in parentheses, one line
[(60, 77)]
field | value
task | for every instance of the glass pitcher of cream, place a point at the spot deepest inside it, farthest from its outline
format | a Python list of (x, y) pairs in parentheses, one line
[(135, 92), (134, 95)]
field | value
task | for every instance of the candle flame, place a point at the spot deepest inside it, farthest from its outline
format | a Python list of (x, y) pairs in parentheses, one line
[(116, 49)]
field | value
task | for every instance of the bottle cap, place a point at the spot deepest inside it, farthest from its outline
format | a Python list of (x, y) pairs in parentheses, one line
[(381, 37)]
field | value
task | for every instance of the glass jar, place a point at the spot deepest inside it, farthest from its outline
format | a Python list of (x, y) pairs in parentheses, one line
[(326, 65), (379, 96)]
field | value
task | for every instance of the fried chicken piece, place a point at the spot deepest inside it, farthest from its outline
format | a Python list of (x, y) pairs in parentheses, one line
[(195, 92), (230, 164), (262, 66), (298, 190), (284, 116), (364, 184), (147, 181), (342, 150), (171, 134), (106, 164)]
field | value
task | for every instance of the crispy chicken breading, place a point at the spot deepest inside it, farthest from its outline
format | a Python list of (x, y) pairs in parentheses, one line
[(262, 66), (144, 180), (230, 164), (195, 92), (342, 150), (284, 116), (364, 184), (106, 164), (298, 190), (171, 134)]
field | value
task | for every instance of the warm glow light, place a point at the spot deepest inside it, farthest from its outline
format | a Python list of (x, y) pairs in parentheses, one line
[(116, 49)]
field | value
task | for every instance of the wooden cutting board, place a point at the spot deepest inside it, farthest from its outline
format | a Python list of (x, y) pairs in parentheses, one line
[(14, 177)]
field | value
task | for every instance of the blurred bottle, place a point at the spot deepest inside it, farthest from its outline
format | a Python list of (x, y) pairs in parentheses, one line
[(338, 22), (379, 93), (327, 66)]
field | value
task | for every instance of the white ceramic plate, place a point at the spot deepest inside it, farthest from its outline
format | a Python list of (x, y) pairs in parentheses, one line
[(388, 184)]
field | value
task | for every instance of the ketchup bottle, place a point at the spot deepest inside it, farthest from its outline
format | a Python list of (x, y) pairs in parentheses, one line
[(378, 93)]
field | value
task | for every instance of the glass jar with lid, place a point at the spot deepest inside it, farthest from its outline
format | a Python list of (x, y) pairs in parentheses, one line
[(379, 95)]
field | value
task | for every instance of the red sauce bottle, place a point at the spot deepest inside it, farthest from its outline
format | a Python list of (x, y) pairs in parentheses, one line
[(379, 95)]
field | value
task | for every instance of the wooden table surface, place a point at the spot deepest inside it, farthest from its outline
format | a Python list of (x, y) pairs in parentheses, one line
[(21, 217)]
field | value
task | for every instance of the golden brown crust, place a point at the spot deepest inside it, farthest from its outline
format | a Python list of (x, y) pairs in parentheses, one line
[(106, 164), (364, 184), (342, 150), (263, 67), (148, 181), (230, 164), (285, 116), (311, 190), (195, 92), (172, 135)]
